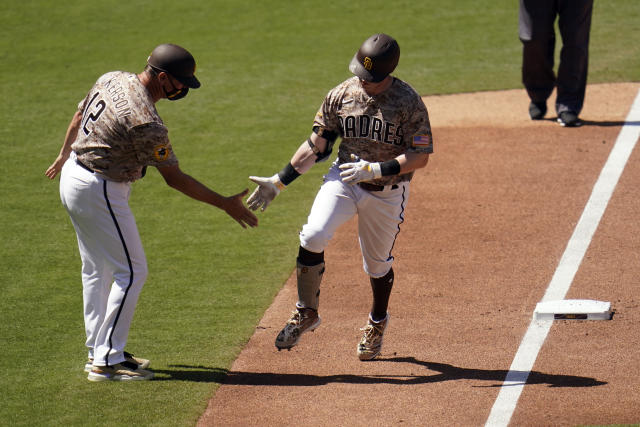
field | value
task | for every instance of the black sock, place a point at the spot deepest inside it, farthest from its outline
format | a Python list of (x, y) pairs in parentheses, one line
[(381, 288)]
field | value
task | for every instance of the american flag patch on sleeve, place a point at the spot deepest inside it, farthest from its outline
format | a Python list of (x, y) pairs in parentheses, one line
[(421, 140)]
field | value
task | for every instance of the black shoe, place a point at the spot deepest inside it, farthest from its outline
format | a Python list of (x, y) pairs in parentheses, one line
[(569, 119), (537, 110)]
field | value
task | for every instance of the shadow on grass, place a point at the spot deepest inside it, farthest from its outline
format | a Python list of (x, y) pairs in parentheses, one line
[(198, 374), (445, 371)]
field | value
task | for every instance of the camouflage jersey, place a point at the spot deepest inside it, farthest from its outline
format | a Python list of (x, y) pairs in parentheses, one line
[(121, 132), (376, 128)]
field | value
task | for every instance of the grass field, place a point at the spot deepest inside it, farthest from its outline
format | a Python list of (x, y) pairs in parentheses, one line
[(265, 67)]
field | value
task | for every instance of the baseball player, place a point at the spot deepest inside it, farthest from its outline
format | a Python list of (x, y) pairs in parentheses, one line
[(115, 134), (385, 136)]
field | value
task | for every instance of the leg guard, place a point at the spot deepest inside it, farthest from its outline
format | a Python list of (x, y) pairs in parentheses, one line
[(309, 278)]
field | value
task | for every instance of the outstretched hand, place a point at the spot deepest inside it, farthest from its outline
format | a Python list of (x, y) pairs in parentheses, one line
[(235, 208), (265, 192)]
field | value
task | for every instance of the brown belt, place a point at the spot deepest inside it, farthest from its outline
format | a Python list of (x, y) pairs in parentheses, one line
[(373, 187)]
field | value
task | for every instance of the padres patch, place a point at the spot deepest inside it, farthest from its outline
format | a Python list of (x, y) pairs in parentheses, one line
[(161, 152)]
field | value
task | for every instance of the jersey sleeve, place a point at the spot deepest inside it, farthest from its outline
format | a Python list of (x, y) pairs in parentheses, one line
[(326, 118), (418, 129), (151, 144)]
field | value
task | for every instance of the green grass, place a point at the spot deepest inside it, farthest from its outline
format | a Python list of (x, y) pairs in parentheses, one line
[(265, 67)]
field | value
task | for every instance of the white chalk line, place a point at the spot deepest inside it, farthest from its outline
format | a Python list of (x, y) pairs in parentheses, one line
[(536, 334)]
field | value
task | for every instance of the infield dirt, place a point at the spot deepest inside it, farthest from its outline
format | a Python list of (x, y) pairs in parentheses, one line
[(486, 224)]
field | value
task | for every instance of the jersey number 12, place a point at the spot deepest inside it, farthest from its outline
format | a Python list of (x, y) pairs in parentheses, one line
[(98, 108)]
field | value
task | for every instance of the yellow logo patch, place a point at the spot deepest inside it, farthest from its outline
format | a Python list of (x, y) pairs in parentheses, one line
[(368, 64), (161, 152)]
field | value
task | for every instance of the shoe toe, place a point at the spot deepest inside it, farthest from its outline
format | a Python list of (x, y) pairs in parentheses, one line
[(537, 111)]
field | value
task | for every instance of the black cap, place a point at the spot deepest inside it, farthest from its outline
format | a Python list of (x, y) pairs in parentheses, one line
[(177, 61), (376, 59)]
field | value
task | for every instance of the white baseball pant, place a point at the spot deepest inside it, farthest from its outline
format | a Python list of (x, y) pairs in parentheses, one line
[(380, 214), (114, 266)]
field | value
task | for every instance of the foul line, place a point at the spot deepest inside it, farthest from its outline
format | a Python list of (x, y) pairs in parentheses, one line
[(533, 339)]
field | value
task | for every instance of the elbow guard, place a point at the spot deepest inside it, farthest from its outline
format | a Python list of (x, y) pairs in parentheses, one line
[(330, 136)]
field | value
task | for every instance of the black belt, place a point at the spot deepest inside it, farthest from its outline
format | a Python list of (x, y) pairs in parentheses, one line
[(373, 187), (83, 166)]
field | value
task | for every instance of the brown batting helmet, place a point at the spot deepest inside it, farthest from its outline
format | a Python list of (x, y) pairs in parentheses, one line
[(176, 61), (376, 59)]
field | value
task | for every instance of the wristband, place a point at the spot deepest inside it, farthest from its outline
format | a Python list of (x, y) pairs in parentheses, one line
[(288, 174), (390, 167)]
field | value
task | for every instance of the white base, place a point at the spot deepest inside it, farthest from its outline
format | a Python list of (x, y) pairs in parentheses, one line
[(582, 309)]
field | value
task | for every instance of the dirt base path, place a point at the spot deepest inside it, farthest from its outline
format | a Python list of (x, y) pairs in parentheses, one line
[(486, 225)]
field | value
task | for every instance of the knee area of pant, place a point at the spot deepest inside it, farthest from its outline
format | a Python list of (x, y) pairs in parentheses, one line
[(377, 269), (313, 240), (140, 271)]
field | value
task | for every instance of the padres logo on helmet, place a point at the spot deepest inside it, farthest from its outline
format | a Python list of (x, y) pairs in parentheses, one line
[(376, 59)]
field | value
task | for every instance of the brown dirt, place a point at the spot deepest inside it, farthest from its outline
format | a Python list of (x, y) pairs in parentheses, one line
[(486, 224)]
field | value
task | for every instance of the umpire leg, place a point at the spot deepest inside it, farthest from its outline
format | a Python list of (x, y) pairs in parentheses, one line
[(575, 25), (535, 28)]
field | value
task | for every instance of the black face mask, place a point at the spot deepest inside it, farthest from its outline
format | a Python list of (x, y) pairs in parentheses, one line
[(175, 94)]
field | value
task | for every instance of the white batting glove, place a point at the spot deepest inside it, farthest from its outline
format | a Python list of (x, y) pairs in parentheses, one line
[(359, 170), (265, 192)]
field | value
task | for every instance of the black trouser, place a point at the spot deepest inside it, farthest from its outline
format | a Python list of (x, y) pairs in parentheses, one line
[(536, 30)]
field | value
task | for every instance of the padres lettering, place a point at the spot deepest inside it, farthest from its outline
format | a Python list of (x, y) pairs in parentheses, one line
[(364, 126)]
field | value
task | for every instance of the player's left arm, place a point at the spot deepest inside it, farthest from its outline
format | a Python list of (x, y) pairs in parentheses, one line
[(232, 205), (362, 170), (65, 151), (412, 161)]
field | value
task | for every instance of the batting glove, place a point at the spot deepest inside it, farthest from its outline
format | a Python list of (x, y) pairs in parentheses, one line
[(267, 190), (359, 170)]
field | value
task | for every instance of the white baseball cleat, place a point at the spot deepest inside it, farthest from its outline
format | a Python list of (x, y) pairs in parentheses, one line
[(125, 371), (371, 343), (142, 363)]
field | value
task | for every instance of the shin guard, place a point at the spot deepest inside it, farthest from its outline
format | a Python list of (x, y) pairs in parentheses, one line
[(309, 278)]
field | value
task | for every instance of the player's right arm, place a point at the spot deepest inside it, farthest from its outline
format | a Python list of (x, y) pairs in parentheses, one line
[(303, 159), (307, 154), (65, 151)]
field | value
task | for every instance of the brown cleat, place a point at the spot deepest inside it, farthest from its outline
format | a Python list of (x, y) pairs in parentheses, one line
[(302, 320)]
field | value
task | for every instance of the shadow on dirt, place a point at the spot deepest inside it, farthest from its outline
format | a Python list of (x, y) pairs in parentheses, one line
[(609, 123), (444, 372), (600, 123)]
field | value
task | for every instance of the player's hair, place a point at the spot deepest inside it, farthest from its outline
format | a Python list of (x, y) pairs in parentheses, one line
[(149, 69)]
